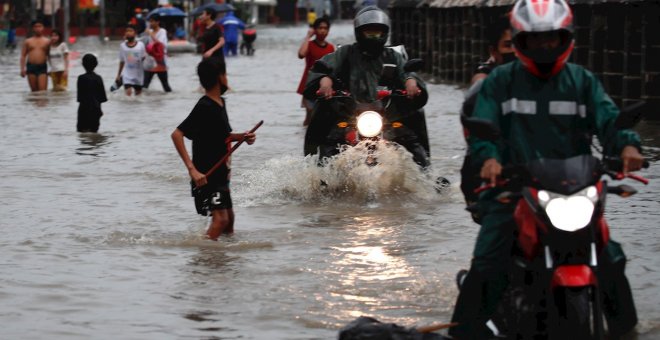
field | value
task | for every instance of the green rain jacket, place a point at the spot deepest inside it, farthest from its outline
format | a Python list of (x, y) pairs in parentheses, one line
[(360, 74), (546, 118)]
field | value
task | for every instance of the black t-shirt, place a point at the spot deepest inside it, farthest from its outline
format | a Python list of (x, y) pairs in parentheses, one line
[(473, 91), (210, 38), (208, 127), (91, 92)]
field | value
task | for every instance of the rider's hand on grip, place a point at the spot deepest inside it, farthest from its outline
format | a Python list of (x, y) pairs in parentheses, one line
[(632, 159), (412, 90), (325, 88)]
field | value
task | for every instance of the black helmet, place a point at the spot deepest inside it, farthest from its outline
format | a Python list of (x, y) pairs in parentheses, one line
[(371, 16)]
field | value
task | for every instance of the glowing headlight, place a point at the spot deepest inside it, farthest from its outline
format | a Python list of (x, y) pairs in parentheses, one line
[(369, 124), (569, 213)]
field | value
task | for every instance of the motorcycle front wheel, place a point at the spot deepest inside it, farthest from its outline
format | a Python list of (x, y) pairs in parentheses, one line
[(573, 317)]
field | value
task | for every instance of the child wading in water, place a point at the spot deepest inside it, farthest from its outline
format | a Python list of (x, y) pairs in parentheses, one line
[(91, 93), (208, 127), (58, 58)]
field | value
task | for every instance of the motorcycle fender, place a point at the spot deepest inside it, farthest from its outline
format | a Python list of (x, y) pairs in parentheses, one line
[(579, 275), (602, 228), (528, 236)]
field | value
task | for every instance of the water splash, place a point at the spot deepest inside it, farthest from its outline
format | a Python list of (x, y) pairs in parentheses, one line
[(345, 176)]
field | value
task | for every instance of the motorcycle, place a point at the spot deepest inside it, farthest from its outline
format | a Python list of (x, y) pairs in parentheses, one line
[(341, 121), (554, 290)]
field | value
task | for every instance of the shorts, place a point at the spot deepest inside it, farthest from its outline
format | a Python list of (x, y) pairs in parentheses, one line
[(36, 69), (211, 197), (136, 87), (60, 82)]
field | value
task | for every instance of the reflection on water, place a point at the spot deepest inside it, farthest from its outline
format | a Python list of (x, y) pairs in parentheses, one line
[(92, 143), (38, 99), (211, 259), (371, 253)]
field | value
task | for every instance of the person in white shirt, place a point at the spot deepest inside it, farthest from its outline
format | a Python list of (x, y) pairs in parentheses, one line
[(58, 60), (131, 54), (157, 35)]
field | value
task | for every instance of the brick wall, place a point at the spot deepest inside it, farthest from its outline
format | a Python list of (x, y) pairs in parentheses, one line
[(619, 42)]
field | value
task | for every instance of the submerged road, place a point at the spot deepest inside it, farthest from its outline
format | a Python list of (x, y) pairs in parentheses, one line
[(100, 238)]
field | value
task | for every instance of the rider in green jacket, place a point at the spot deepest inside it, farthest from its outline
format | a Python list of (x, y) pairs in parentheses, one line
[(545, 108)]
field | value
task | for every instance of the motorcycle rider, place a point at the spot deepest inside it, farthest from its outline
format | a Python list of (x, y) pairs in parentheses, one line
[(500, 49), (545, 108), (358, 68)]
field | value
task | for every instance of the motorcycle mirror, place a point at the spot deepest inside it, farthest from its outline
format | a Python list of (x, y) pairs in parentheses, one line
[(630, 115), (387, 75), (413, 65), (481, 128), (320, 66), (622, 190)]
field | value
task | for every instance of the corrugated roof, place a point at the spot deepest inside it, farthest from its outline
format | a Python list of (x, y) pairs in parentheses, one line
[(468, 3), (498, 3), (405, 3)]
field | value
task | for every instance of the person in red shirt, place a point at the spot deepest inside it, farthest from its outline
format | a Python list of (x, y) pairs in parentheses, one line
[(311, 51)]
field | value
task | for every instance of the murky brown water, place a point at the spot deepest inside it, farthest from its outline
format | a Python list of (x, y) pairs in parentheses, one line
[(100, 238)]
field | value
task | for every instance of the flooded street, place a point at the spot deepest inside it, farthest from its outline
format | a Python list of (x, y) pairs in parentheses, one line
[(101, 240)]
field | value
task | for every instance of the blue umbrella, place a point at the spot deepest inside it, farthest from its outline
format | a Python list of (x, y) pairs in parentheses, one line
[(217, 7), (167, 12)]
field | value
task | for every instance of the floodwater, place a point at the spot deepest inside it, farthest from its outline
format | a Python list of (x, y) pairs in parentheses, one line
[(100, 238)]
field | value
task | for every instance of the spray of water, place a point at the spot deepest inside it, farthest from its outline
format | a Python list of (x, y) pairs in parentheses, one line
[(346, 176)]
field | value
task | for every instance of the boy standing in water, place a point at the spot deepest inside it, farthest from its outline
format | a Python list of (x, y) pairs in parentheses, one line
[(91, 93), (131, 54), (34, 56), (208, 128)]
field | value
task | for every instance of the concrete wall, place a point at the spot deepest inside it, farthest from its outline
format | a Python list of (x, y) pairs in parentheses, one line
[(619, 42)]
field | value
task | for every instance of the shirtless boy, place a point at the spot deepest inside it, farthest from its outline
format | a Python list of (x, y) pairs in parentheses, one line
[(34, 56)]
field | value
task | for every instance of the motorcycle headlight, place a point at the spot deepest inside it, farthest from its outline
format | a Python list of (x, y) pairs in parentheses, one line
[(369, 123), (569, 213)]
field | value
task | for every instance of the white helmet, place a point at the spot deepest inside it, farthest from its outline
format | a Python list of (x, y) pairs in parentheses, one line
[(538, 17)]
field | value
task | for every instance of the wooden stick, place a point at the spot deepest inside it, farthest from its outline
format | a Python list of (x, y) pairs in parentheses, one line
[(226, 157), (435, 327)]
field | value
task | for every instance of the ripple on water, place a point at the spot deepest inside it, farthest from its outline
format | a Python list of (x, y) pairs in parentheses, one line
[(191, 239)]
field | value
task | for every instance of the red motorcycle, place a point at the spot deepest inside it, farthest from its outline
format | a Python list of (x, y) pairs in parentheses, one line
[(554, 291)]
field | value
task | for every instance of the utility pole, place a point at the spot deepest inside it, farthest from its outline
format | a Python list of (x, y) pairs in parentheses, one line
[(53, 14), (66, 20), (102, 17), (33, 10)]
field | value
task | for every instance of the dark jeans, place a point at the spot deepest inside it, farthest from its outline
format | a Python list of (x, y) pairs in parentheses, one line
[(163, 80)]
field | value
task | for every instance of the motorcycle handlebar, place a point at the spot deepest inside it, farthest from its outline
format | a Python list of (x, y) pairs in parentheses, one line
[(335, 93), (391, 93), (616, 164), (613, 167)]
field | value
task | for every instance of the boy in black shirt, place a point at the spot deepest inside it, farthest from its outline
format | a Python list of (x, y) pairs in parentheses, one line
[(213, 38), (208, 128), (91, 93)]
